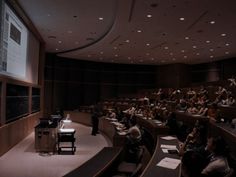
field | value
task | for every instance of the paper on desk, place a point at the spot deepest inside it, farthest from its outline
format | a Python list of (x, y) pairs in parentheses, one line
[(168, 138), (169, 163), (165, 150), (165, 146)]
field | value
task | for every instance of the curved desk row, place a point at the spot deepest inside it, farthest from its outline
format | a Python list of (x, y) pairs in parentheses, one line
[(98, 165), (155, 130), (153, 170)]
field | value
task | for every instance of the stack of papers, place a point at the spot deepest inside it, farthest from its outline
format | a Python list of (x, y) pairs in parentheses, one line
[(169, 163)]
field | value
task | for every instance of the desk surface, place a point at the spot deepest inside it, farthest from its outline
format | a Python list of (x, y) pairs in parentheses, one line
[(98, 164), (153, 170)]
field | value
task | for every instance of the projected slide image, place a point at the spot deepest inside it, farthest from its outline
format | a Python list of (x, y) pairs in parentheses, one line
[(15, 34)]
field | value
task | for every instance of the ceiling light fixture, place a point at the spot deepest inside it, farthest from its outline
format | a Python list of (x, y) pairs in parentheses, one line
[(149, 15), (197, 53), (211, 50), (166, 47), (208, 41), (185, 56), (139, 31), (59, 42), (211, 56), (127, 41), (194, 47), (182, 51), (101, 52), (100, 18), (181, 18), (147, 44), (227, 44), (223, 34), (114, 48), (226, 53), (186, 37), (212, 22)]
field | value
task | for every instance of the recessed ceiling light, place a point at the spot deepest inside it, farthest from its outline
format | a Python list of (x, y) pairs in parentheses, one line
[(149, 15), (100, 18), (127, 41), (226, 53), (211, 56), (197, 53), (59, 42), (211, 50), (171, 53), (173, 59), (147, 44), (114, 48), (152, 58), (101, 52), (181, 18), (212, 22), (227, 44), (223, 34), (139, 31), (129, 58), (186, 37), (208, 41), (194, 47), (182, 51), (166, 47), (116, 55), (185, 56), (147, 53), (57, 49)]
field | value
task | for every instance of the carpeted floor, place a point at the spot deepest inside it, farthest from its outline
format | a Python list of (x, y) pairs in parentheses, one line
[(23, 161)]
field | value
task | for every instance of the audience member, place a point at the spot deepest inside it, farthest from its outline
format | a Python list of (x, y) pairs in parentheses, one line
[(218, 164)]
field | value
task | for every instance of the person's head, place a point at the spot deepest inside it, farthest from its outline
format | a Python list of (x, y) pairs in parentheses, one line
[(217, 145)]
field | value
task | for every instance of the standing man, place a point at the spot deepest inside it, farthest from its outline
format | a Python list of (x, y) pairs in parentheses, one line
[(96, 113)]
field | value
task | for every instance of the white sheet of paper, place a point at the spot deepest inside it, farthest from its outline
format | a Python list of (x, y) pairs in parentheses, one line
[(168, 138), (165, 150), (166, 146), (169, 163)]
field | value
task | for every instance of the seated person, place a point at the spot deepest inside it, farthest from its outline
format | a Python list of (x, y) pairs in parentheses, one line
[(213, 112), (192, 109), (133, 144), (112, 114), (232, 81), (203, 110), (218, 163), (229, 101), (195, 141), (182, 106)]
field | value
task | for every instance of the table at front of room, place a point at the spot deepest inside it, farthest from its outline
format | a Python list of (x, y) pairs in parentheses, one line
[(66, 140)]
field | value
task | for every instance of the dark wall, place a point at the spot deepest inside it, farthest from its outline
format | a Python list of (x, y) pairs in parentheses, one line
[(214, 71), (70, 83), (174, 75)]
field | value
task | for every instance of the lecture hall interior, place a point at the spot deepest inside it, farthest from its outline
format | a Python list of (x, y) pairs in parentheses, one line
[(117, 88)]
